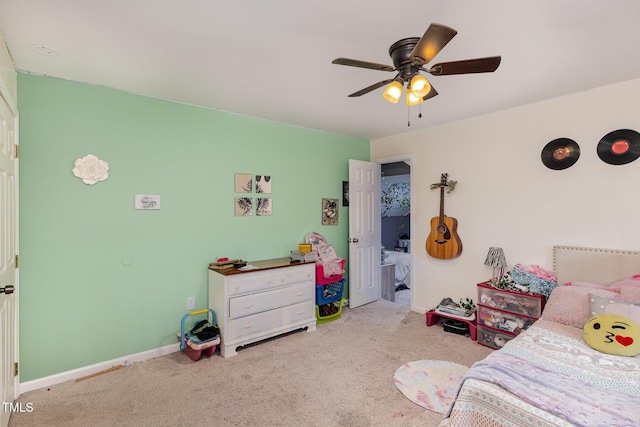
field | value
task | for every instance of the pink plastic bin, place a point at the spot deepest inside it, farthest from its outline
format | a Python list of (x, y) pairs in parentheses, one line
[(196, 354), (321, 280)]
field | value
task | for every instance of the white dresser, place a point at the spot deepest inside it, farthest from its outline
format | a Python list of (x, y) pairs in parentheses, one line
[(275, 298)]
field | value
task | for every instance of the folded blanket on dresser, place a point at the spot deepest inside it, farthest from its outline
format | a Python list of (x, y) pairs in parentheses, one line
[(550, 367)]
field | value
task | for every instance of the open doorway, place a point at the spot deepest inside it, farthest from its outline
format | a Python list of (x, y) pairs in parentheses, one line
[(396, 231)]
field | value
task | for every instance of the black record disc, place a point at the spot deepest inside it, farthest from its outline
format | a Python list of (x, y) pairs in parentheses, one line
[(560, 153), (619, 147)]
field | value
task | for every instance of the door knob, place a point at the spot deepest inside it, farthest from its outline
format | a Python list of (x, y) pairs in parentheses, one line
[(8, 290), (354, 240)]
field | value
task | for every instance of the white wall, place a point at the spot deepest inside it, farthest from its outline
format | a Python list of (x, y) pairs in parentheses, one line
[(506, 197)]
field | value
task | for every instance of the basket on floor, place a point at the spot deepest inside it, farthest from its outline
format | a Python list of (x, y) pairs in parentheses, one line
[(332, 292), (191, 344), (324, 318), (321, 280)]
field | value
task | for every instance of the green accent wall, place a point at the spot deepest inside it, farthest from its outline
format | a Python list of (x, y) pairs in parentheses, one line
[(101, 280)]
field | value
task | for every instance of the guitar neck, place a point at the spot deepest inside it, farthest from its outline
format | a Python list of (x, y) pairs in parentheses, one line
[(441, 204)]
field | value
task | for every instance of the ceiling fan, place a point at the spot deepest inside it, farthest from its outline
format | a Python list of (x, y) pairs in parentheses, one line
[(410, 56)]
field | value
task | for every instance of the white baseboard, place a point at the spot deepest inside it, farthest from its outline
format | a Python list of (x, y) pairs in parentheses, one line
[(98, 367)]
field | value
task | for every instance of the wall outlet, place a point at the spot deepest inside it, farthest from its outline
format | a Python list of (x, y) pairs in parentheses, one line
[(191, 303)]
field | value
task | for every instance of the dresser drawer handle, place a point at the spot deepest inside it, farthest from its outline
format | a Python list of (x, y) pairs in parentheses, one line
[(248, 326), (248, 306), (300, 294)]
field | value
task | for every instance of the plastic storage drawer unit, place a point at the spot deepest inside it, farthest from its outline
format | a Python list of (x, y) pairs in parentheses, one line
[(492, 338)]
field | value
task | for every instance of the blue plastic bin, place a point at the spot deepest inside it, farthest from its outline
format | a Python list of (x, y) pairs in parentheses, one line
[(332, 292)]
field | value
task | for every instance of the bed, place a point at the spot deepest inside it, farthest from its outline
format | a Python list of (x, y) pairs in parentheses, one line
[(402, 261), (548, 375)]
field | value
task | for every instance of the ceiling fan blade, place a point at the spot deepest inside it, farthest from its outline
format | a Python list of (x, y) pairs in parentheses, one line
[(434, 39), (431, 94), (480, 65), (362, 64), (370, 88)]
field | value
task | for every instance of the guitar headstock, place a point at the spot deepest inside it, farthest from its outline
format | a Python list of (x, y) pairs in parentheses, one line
[(444, 182)]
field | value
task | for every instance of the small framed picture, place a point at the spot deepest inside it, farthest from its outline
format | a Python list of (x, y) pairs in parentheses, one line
[(243, 206), (147, 201), (345, 193), (263, 184), (263, 206), (243, 183), (329, 211)]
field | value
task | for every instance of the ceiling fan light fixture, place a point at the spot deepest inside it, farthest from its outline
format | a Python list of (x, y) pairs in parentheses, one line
[(393, 92), (412, 99), (420, 86)]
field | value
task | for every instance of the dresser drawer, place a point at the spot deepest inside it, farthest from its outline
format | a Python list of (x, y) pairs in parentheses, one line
[(286, 276), (492, 338), (249, 325), (526, 304), (255, 303), (503, 320), (245, 283)]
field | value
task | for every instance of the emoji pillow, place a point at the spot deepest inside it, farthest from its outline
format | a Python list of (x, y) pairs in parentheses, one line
[(613, 334)]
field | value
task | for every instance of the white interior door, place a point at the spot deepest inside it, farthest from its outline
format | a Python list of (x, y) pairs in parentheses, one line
[(8, 251), (364, 232)]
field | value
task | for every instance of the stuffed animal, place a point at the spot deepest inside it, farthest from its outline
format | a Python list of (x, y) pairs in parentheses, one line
[(613, 334)]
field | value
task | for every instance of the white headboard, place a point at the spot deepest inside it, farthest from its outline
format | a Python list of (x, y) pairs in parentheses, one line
[(593, 265)]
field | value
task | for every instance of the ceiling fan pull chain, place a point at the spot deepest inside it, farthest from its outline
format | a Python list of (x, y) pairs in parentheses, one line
[(420, 112), (408, 117)]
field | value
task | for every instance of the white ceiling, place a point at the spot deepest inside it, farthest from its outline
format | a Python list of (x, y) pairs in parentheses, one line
[(272, 59)]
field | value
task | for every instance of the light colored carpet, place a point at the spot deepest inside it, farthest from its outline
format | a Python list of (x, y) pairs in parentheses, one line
[(339, 375), (432, 384)]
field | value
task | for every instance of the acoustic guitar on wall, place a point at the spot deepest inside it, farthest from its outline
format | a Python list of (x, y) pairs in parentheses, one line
[(443, 241)]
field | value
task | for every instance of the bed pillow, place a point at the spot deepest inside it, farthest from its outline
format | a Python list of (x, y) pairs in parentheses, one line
[(629, 281), (607, 305), (630, 294), (613, 334), (612, 286), (588, 285), (569, 305)]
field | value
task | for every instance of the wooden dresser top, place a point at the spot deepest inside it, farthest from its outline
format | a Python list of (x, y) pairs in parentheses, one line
[(266, 264)]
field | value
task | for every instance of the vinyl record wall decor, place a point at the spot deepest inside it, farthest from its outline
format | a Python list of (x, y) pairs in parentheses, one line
[(243, 205), (619, 147), (560, 153)]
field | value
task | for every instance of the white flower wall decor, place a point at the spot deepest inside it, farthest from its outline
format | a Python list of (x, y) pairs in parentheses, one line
[(91, 169)]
